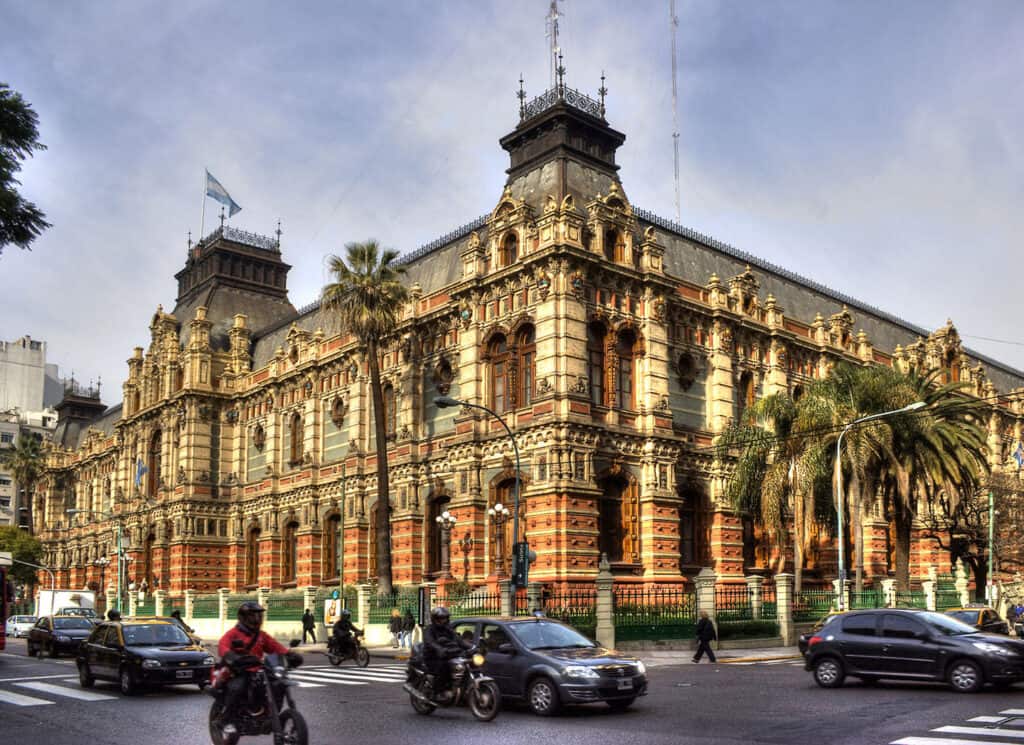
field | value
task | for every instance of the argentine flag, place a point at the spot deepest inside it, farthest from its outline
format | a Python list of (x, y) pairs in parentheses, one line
[(215, 191), (140, 467)]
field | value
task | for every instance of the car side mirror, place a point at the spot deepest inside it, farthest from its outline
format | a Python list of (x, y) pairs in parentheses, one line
[(506, 648)]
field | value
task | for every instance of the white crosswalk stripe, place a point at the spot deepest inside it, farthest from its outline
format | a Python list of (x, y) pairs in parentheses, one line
[(65, 691), (10, 697), (350, 676), (1006, 727)]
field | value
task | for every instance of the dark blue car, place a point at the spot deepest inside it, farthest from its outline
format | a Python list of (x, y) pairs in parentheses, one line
[(548, 664)]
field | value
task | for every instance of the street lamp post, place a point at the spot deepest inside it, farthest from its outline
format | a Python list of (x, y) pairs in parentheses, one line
[(990, 582), (447, 401), (102, 562), (466, 544), (120, 548), (839, 490), (446, 521), (499, 516)]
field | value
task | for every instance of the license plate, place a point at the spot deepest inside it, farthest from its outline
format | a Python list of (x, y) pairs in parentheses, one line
[(625, 685), (183, 674)]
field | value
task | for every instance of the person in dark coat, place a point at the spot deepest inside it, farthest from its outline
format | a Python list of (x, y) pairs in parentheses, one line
[(705, 635), (395, 626), (308, 626), (408, 627)]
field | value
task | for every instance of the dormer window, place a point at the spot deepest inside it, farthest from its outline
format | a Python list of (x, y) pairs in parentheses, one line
[(509, 249)]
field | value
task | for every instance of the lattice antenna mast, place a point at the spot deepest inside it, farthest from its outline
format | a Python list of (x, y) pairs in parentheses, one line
[(552, 34), (673, 25)]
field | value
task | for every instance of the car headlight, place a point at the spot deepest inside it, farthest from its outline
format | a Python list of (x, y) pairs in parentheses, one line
[(478, 660), (151, 664), (990, 648), (580, 671), (209, 661), (63, 638), (641, 669)]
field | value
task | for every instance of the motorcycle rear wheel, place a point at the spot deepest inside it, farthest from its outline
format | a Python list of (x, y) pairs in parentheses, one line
[(421, 707), (485, 701), (293, 728), (334, 659), (362, 657)]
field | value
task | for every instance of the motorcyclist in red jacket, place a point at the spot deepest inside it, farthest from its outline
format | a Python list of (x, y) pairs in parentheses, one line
[(242, 649)]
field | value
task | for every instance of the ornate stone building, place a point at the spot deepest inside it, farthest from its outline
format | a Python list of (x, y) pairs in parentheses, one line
[(615, 343)]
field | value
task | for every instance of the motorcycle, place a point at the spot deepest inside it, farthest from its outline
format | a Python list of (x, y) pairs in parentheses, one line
[(358, 653), (469, 686), (267, 708)]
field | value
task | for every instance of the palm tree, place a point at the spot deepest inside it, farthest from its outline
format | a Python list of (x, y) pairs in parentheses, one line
[(366, 298), (25, 462), (776, 467)]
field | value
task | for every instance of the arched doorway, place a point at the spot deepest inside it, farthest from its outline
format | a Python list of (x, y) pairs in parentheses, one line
[(436, 504), (618, 516), (147, 561), (252, 556), (504, 493)]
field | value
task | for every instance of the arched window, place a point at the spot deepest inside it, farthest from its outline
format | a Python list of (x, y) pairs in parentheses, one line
[(289, 552), (692, 527), (745, 394), (437, 504), (252, 557), (614, 246), (505, 494), (951, 363), (329, 546), (499, 374), (390, 410), (148, 572), (295, 435), (527, 353), (625, 348), (616, 517), (596, 334), (153, 464), (509, 249)]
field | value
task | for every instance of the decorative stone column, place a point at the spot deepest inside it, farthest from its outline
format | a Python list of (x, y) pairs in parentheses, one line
[(504, 588), (961, 582), (705, 582), (190, 597), (533, 596), (309, 601), (159, 600), (845, 596), (133, 602), (784, 608), (605, 631), (754, 593), (929, 593), (263, 596), (888, 593), (222, 606), (363, 600)]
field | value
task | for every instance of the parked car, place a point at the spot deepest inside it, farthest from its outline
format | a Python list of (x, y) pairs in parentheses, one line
[(18, 626), (981, 617), (548, 664), (140, 653), (52, 635), (912, 645)]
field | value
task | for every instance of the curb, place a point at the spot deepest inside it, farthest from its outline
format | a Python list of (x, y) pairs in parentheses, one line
[(726, 661)]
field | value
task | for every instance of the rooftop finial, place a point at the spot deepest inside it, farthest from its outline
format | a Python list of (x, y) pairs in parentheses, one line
[(603, 92), (278, 232), (190, 241), (222, 219), (561, 75), (521, 95)]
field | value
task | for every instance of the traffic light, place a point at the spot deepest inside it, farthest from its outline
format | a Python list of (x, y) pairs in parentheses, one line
[(522, 557)]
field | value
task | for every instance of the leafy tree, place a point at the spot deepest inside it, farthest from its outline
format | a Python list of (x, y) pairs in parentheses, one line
[(366, 298), (21, 222), (25, 462), (23, 547)]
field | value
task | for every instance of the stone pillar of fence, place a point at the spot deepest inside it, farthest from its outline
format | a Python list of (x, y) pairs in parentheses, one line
[(961, 582), (222, 605), (309, 601), (133, 602), (504, 590), (754, 593), (263, 596), (888, 593), (784, 608), (363, 601), (844, 601), (108, 593), (533, 596), (705, 583), (159, 601), (190, 597), (929, 587), (605, 605)]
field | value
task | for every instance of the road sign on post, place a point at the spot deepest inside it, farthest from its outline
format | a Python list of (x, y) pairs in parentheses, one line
[(522, 557)]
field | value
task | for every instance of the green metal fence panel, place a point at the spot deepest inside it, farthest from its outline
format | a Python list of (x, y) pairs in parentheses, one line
[(578, 608), (349, 597), (870, 598), (478, 602), (811, 605), (769, 607), (205, 606), (380, 606), (654, 613), (236, 600), (176, 603), (946, 594), (732, 603), (146, 608), (911, 599), (285, 606)]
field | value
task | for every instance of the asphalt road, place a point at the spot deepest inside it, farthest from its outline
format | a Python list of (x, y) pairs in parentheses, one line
[(692, 704)]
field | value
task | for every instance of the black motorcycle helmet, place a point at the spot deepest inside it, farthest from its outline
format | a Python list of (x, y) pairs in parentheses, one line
[(440, 615), (346, 613), (250, 614)]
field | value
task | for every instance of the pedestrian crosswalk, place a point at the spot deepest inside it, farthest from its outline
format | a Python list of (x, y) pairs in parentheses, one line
[(321, 675), (1006, 727), (46, 690)]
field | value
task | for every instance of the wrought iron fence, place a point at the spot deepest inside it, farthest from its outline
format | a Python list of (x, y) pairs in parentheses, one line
[(521, 604), (236, 600), (478, 602), (206, 606), (732, 603), (769, 606), (175, 603), (147, 607), (578, 608), (348, 596), (946, 594), (285, 606), (870, 598), (811, 605), (911, 599), (654, 613), (380, 606)]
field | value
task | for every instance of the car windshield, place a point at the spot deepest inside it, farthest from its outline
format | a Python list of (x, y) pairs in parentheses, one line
[(946, 625), (547, 635), (966, 616), (71, 623), (157, 634)]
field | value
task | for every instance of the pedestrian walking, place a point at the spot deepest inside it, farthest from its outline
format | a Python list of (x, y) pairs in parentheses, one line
[(176, 615), (395, 627), (705, 635), (308, 626), (408, 626)]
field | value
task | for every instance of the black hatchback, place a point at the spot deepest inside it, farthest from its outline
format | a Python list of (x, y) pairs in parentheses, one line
[(142, 653), (53, 635), (912, 645), (548, 664)]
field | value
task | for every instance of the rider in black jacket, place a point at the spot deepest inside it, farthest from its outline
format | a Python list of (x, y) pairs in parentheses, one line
[(440, 644), (343, 630)]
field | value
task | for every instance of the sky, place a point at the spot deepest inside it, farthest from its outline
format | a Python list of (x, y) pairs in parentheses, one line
[(874, 147)]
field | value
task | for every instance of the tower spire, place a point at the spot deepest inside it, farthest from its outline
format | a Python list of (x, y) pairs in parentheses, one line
[(552, 34)]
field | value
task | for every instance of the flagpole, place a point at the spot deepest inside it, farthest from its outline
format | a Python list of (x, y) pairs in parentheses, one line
[(202, 223)]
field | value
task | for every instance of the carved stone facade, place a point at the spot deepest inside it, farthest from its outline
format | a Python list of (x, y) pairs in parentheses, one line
[(615, 344)]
